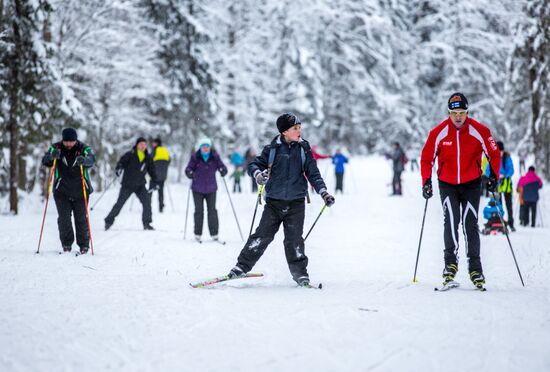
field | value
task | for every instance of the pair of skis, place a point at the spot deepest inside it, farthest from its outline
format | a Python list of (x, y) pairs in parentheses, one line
[(225, 278), (452, 284)]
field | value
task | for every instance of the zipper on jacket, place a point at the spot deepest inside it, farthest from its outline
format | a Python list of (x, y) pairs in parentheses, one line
[(458, 155)]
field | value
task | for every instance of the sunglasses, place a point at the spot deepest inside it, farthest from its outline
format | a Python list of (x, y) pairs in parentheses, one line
[(458, 113)]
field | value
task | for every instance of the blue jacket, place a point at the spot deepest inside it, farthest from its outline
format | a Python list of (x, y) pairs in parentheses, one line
[(339, 160), (288, 180), (506, 167), (491, 208)]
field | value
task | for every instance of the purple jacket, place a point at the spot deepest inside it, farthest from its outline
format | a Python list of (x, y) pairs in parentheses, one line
[(204, 173)]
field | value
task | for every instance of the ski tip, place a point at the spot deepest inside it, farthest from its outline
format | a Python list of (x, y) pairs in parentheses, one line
[(320, 286)]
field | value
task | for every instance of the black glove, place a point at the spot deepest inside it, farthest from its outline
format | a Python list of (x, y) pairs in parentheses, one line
[(427, 189), (329, 199), (118, 172), (79, 160), (261, 177), (153, 186), (189, 174), (223, 171), (492, 183), (56, 154)]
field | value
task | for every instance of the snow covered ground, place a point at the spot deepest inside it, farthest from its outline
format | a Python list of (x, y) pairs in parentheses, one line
[(130, 308)]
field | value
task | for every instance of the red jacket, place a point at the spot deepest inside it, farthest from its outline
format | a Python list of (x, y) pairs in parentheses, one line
[(458, 152)]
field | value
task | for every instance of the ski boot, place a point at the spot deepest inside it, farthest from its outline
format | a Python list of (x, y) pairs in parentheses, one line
[(67, 248), (449, 273), (236, 273), (478, 280), (303, 281), (215, 238), (83, 250), (148, 226), (198, 238)]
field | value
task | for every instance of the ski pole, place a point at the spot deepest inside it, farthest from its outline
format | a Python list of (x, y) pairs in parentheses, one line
[(258, 201), (315, 222), (420, 241), (233, 208), (86, 205), (186, 213), (103, 193), (508, 238), (170, 197), (46, 205)]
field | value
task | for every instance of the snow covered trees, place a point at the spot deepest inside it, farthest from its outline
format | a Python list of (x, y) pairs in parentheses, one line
[(357, 73)]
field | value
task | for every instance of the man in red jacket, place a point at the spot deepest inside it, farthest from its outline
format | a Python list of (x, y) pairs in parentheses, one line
[(458, 143)]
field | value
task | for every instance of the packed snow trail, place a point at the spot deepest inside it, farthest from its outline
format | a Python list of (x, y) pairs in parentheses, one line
[(130, 307)]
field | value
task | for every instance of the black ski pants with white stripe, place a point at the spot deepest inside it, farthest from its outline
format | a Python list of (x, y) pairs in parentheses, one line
[(460, 205), (291, 214)]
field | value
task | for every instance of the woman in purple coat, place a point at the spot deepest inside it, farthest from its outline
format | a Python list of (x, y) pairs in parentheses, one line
[(202, 169)]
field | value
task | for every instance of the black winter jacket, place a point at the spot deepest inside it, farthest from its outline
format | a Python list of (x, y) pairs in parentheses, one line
[(134, 170), (288, 180), (67, 178)]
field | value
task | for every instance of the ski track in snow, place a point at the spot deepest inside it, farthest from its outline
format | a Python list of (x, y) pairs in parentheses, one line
[(130, 307)]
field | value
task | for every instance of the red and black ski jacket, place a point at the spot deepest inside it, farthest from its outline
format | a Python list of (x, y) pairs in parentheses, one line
[(458, 152)]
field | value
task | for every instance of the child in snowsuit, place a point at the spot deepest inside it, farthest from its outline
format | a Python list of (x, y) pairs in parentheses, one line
[(284, 167), (236, 175), (491, 214)]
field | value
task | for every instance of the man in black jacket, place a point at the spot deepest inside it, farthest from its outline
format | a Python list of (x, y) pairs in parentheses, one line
[(68, 193), (284, 167), (135, 164)]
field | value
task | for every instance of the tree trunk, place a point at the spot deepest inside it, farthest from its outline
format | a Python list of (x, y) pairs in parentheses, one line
[(13, 112)]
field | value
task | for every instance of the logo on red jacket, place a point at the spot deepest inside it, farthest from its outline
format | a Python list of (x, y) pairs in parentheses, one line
[(447, 143)]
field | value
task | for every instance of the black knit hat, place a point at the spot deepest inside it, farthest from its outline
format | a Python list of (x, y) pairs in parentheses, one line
[(140, 139), (287, 121), (69, 134), (457, 101), (158, 141), (500, 145)]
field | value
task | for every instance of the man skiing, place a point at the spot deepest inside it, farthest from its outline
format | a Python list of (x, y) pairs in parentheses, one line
[(284, 167), (135, 164), (339, 160), (398, 166), (161, 159), (70, 154), (458, 143)]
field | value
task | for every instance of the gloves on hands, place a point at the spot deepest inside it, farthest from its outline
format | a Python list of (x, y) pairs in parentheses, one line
[(427, 189), (79, 160), (223, 171), (189, 173), (56, 154), (153, 186), (261, 177), (329, 199), (118, 172), (492, 183)]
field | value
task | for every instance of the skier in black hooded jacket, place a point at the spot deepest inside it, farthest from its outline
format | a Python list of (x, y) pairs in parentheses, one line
[(68, 194), (135, 164)]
